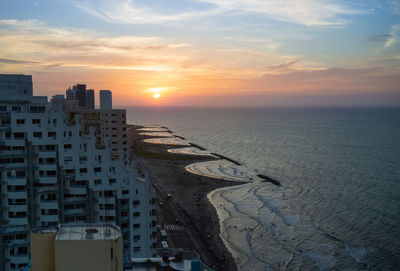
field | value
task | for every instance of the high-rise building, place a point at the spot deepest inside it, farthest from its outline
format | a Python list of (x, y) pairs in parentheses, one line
[(105, 99), (53, 171), (90, 99), (85, 97)]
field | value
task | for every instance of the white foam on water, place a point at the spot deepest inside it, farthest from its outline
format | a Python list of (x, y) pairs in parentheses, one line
[(191, 151), (324, 262), (221, 169), (167, 141), (357, 253)]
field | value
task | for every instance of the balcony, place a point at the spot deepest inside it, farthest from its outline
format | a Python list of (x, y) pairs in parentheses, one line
[(18, 208), (47, 166), (17, 195), (77, 189), (77, 211), (49, 218), (16, 181), (19, 258), (18, 221), (109, 200), (110, 212), (49, 204), (47, 179)]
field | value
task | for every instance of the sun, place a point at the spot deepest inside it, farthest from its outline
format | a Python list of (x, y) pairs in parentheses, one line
[(156, 95)]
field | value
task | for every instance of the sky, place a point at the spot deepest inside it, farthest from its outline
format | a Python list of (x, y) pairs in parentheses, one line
[(208, 52)]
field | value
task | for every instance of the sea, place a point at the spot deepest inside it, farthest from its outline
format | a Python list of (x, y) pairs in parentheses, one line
[(338, 206)]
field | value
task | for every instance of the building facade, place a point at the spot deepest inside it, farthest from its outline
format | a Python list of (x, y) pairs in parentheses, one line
[(53, 171), (105, 99), (110, 128)]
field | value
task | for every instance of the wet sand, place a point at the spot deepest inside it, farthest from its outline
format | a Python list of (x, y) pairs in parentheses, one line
[(188, 202)]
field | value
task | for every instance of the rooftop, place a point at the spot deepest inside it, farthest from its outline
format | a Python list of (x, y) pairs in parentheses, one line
[(88, 232)]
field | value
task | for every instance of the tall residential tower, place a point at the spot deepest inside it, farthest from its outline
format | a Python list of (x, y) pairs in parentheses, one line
[(52, 170), (105, 99)]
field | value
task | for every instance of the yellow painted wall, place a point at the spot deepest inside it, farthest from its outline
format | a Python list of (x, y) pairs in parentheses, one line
[(84, 255), (42, 251)]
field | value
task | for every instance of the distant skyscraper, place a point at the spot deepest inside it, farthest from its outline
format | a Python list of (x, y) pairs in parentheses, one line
[(105, 99), (77, 92), (90, 99)]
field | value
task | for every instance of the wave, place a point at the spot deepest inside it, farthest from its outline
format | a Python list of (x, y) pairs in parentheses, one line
[(221, 169), (357, 253)]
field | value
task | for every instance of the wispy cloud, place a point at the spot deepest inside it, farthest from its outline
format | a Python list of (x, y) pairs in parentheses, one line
[(16, 61), (306, 12), (394, 35), (54, 47), (380, 38), (136, 12)]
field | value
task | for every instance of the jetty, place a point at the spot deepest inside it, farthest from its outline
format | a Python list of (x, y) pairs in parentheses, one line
[(181, 137), (197, 146), (268, 179), (226, 158)]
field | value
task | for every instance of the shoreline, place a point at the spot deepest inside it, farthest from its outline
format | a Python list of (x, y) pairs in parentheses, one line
[(188, 201)]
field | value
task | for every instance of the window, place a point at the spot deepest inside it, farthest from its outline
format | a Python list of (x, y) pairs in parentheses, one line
[(37, 109), (19, 135), (97, 182), (83, 170), (67, 146), (3, 108), (35, 121), (68, 159), (20, 121), (97, 169), (136, 214), (37, 134), (112, 181), (16, 108), (52, 134)]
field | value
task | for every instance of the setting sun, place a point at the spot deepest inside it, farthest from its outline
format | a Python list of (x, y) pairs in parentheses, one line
[(156, 95)]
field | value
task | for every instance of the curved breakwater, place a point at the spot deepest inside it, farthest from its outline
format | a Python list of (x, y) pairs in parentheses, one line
[(223, 168)]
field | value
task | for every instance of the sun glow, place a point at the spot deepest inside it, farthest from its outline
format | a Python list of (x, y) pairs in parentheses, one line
[(156, 95)]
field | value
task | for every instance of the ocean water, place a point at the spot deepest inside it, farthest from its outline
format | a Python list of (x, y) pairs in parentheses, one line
[(338, 207)]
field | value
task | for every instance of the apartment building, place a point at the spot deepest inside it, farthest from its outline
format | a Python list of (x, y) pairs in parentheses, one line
[(53, 171), (85, 97), (110, 128), (105, 99)]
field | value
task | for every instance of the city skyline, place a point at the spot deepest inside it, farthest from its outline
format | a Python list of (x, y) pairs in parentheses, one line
[(209, 52)]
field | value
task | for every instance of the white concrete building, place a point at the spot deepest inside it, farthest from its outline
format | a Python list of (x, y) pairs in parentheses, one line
[(105, 99), (52, 172)]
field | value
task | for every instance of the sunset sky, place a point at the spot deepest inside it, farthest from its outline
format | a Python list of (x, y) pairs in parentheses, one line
[(208, 52)]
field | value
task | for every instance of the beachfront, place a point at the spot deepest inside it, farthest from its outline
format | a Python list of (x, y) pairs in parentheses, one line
[(189, 218)]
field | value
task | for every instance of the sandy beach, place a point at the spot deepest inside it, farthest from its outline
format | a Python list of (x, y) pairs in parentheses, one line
[(190, 220)]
